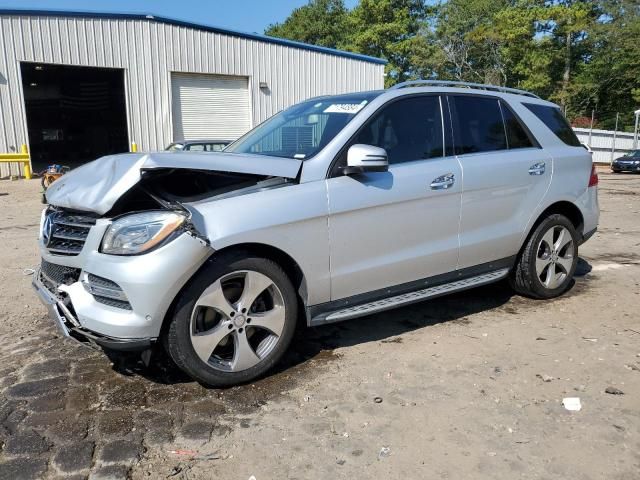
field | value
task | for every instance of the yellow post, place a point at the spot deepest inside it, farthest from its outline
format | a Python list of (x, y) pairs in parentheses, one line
[(27, 163), (134, 147)]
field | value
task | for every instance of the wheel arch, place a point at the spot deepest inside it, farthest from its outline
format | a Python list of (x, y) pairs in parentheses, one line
[(562, 207), (288, 264)]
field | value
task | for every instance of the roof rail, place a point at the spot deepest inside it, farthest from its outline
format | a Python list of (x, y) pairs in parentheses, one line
[(448, 83)]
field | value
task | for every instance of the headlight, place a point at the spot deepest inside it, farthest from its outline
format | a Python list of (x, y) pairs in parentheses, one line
[(139, 232)]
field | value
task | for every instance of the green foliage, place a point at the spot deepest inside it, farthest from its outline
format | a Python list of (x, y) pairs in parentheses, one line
[(388, 29), (582, 54), (320, 22)]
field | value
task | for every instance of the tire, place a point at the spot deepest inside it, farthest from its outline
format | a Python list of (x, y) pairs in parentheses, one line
[(219, 310), (546, 264)]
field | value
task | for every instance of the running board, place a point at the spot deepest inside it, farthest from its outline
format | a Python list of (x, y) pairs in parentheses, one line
[(408, 298)]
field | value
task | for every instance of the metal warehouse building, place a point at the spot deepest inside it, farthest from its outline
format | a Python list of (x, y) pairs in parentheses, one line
[(76, 86)]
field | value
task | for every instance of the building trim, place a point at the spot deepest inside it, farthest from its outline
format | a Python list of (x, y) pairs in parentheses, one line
[(195, 26)]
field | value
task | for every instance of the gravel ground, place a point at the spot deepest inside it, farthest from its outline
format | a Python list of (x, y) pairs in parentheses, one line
[(466, 386)]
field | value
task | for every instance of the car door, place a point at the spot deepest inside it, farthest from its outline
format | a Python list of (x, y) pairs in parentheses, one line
[(390, 228), (506, 175)]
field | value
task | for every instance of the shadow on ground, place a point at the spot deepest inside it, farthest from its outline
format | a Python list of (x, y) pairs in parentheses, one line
[(318, 343)]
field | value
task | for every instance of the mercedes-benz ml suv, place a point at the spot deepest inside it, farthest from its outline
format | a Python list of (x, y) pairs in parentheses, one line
[(338, 207)]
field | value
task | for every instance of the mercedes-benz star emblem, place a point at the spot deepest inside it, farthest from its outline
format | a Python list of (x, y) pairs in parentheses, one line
[(47, 229)]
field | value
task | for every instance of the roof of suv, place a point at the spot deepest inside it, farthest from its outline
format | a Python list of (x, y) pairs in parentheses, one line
[(446, 86)]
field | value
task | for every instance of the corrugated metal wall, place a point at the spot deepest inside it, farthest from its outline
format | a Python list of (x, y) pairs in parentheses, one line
[(149, 51), (602, 143)]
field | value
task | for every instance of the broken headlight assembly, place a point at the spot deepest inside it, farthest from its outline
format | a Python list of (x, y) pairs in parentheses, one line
[(138, 233)]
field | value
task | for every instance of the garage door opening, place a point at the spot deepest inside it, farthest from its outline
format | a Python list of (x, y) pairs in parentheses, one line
[(211, 107), (74, 114)]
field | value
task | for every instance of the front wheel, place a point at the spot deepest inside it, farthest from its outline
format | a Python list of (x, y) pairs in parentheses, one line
[(548, 261), (234, 321)]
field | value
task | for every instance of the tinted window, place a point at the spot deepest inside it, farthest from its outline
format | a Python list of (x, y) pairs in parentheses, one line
[(477, 124), (517, 136), (552, 117), (408, 129)]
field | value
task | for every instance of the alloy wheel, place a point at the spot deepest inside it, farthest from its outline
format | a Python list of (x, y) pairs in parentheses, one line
[(237, 321), (555, 256)]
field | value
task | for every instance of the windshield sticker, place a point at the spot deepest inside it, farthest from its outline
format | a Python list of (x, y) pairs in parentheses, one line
[(351, 108), (299, 156)]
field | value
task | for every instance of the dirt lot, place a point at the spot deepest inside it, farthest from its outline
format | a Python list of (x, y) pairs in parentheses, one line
[(467, 386)]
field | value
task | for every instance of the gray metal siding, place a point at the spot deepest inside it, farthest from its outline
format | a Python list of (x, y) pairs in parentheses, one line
[(149, 51)]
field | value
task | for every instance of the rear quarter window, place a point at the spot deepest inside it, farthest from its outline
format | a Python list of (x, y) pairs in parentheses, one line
[(552, 117)]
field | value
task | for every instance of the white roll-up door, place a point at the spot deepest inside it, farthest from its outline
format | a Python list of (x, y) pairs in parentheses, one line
[(209, 106)]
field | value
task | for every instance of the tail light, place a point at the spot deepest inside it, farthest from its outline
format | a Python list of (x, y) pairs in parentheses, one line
[(593, 179)]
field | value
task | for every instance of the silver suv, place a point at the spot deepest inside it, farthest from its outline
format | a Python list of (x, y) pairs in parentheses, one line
[(338, 207)]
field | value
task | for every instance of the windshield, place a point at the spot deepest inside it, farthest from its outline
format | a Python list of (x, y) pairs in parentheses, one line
[(304, 129), (633, 153)]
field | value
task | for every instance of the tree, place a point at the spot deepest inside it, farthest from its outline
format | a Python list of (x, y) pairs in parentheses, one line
[(462, 31), (389, 29), (608, 77), (320, 22), (583, 54)]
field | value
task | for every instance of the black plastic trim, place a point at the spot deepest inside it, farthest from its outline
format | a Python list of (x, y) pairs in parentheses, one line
[(588, 235)]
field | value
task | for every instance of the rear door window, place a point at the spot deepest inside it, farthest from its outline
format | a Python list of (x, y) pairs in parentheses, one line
[(478, 125), (552, 117), (517, 136)]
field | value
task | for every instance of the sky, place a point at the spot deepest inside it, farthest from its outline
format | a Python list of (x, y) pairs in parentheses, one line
[(251, 16)]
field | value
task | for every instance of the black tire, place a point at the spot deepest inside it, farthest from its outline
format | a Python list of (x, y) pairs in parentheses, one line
[(178, 337), (616, 171), (524, 278)]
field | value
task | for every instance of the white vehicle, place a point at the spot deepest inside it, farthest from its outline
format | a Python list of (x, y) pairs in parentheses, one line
[(338, 207)]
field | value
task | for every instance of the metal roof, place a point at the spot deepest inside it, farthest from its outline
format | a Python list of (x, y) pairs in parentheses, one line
[(196, 26)]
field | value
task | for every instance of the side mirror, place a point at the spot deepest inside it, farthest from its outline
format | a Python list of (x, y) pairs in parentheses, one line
[(366, 158)]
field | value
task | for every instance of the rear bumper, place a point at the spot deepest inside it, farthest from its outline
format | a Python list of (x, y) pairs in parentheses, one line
[(69, 326)]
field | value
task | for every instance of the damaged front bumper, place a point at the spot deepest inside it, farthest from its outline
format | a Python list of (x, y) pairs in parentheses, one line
[(69, 326), (116, 302)]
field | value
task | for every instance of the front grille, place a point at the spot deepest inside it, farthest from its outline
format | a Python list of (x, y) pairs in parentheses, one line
[(64, 232), (54, 275)]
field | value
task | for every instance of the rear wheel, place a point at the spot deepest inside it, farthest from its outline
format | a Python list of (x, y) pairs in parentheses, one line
[(234, 321), (548, 261)]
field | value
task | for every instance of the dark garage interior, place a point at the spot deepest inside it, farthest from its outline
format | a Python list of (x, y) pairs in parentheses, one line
[(74, 114)]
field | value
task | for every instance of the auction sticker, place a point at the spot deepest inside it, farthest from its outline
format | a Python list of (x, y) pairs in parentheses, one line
[(351, 108)]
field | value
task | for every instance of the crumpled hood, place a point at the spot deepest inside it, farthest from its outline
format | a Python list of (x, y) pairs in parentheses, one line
[(96, 186)]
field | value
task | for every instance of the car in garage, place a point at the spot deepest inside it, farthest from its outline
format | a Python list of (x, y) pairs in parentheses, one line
[(335, 208), (629, 162), (198, 146)]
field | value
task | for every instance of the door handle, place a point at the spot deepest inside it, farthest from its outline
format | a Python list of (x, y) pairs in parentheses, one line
[(537, 168), (443, 182)]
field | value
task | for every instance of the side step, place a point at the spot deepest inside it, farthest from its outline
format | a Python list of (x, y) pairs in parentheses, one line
[(411, 297)]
